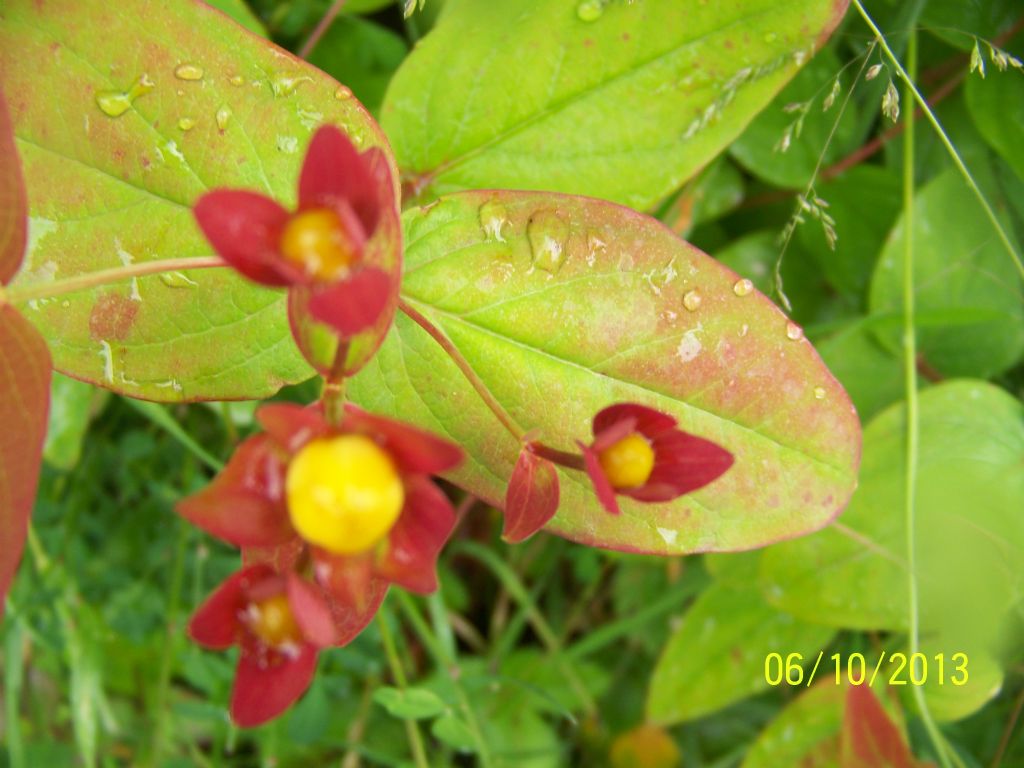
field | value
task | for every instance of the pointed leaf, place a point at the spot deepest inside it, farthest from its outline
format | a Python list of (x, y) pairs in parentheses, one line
[(24, 405), (623, 101), (592, 314), (108, 190)]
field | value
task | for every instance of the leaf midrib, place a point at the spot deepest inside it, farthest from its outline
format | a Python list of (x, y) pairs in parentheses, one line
[(838, 470)]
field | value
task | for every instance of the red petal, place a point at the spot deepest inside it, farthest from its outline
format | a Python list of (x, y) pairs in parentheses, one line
[(648, 421), (418, 537), (266, 688), (290, 425), (416, 451), (245, 228), (215, 623), (603, 488), (355, 303), (532, 497), (13, 205), (334, 170), (682, 463), (243, 505), (312, 612), (25, 371)]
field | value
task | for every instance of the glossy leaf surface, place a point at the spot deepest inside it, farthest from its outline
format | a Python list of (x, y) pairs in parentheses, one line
[(670, 82), (566, 305), (202, 104)]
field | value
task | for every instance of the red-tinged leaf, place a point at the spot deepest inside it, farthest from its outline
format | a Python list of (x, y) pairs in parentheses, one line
[(13, 208), (532, 497), (111, 186), (870, 738), (564, 306), (264, 690), (24, 406)]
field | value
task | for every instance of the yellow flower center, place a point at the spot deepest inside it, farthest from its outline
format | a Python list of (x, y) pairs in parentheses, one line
[(272, 621), (317, 241), (344, 493), (629, 462)]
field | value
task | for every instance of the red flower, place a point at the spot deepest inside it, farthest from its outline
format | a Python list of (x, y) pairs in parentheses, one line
[(280, 623), (355, 502), (339, 252), (639, 452)]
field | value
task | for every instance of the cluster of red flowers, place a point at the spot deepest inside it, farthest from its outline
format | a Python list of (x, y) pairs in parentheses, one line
[(330, 504)]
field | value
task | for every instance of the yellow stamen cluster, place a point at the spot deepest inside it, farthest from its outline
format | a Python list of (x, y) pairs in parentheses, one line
[(344, 493), (273, 622), (629, 462), (316, 241)]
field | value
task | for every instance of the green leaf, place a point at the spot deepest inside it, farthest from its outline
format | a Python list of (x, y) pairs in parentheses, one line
[(759, 149), (362, 55), (805, 733), (593, 313), (107, 190), (623, 101), (410, 703), (240, 12), (454, 732), (72, 405), (871, 372), (961, 270), (996, 104), (969, 527), (717, 655)]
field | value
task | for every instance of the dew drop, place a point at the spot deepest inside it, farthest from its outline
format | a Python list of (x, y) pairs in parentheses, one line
[(819, 393), (188, 72), (590, 10), (548, 232), (493, 218), (237, 80), (116, 103), (343, 93), (794, 332), (186, 124), (742, 287), (692, 300), (223, 117), (177, 280), (285, 85)]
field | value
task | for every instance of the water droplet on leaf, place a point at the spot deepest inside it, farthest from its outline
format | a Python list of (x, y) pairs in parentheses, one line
[(177, 280), (692, 300), (493, 218), (548, 232), (742, 287), (116, 103), (590, 10), (188, 72), (223, 117)]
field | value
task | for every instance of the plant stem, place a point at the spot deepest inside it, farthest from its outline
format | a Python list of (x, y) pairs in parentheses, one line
[(467, 370), (320, 29), (912, 94), (19, 295), (398, 672), (910, 381)]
